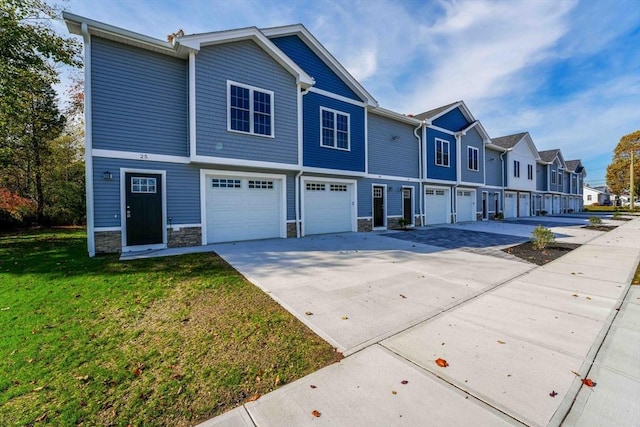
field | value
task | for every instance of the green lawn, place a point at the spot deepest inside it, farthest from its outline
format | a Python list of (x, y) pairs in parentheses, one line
[(165, 341)]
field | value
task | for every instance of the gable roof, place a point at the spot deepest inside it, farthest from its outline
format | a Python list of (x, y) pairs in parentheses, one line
[(548, 156), (317, 47), (508, 141), (182, 46), (431, 114), (576, 166)]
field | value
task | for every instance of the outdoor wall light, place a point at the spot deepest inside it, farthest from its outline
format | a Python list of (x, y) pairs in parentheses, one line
[(395, 138), (107, 176), (390, 188)]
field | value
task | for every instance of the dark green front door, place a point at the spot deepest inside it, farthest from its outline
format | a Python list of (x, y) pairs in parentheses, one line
[(143, 209)]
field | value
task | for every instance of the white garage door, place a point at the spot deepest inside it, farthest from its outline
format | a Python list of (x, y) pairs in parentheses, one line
[(525, 205), (328, 207), (243, 208), (510, 205), (465, 205), (436, 205)]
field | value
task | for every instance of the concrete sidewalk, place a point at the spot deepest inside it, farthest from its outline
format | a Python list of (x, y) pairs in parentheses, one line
[(510, 349)]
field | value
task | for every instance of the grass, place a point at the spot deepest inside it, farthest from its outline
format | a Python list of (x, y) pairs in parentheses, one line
[(165, 341)]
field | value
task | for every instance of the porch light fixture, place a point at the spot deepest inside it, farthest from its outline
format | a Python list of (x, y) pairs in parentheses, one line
[(107, 176), (395, 138)]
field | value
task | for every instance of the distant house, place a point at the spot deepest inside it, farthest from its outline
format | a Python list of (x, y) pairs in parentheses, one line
[(595, 195)]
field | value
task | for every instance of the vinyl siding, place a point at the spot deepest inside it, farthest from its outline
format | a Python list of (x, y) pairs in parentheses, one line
[(316, 155), (394, 196), (454, 121), (183, 190), (472, 139), (389, 157), (139, 100), (491, 192), (244, 62), (493, 166), (306, 59), (440, 172)]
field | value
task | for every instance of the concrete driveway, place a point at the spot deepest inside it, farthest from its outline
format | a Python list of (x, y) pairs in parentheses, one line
[(518, 338), (364, 287)]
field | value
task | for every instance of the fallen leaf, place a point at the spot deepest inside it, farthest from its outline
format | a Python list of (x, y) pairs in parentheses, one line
[(553, 393), (41, 417), (442, 363), (501, 342), (344, 317), (308, 313), (315, 413), (576, 374), (394, 392), (575, 295), (81, 377), (588, 382), (137, 372), (404, 382), (402, 296), (38, 388), (312, 386), (277, 380), (588, 297), (254, 398)]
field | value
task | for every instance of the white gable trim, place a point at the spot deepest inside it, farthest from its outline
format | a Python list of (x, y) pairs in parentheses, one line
[(313, 43)]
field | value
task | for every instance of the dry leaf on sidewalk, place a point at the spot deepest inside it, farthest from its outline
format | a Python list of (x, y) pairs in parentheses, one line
[(442, 363), (315, 413)]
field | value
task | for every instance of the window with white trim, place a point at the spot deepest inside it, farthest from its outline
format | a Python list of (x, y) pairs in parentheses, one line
[(472, 158), (516, 168), (589, 197), (442, 152), (143, 185), (530, 172), (249, 109), (226, 183), (553, 177), (334, 129), (560, 173)]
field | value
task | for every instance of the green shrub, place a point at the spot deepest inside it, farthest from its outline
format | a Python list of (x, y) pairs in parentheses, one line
[(617, 214), (541, 237), (595, 220), (498, 215)]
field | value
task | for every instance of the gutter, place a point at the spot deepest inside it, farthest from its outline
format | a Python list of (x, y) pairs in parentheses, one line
[(88, 141)]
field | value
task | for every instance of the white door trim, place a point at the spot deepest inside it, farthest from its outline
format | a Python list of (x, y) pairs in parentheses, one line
[(354, 197), (384, 203), (413, 203)]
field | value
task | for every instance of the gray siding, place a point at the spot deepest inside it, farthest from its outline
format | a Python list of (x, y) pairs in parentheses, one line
[(139, 100), (394, 196), (491, 192), (183, 190), (493, 166), (472, 139), (392, 157), (244, 62)]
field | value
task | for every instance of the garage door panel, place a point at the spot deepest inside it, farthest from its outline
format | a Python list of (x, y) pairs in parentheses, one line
[(328, 207), (243, 208), (437, 205), (465, 207)]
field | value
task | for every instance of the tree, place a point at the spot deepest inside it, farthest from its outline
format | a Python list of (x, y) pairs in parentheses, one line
[(618, 171), (29, 116)]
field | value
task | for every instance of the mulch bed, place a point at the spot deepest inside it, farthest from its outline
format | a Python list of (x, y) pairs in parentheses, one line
[(600, 227), (527, 252)]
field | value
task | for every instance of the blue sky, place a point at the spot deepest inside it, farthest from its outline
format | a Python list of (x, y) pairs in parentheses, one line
[(567, 71)]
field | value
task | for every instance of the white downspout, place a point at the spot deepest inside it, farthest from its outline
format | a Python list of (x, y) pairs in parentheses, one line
[(420, 173), (88, 141), (504, 184), (298, 180)]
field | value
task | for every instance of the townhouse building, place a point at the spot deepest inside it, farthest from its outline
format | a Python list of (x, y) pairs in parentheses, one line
[(261, 133)]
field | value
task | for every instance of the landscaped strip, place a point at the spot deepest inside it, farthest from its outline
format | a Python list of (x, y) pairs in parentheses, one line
[(163, 341)]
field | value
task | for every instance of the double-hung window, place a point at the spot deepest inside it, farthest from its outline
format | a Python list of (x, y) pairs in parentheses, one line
[(553, 177), (560, 173), (334, 129), (250, 109), (516, 168), (442, 152), (472, 158), (530, 172)]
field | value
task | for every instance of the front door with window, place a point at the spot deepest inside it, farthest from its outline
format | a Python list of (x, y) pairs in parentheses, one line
[(485, 214), (407, 205), (143, 209), (378, 206)]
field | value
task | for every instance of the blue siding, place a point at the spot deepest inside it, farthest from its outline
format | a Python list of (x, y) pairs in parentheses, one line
[(493, 165), (244, 62), (392, 157), (139, 100), (541, 177), (183, 190), (394, 196), (491, 204), (306, 59), (472, 139), (322, 157), (454, 121), (440, 172)]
